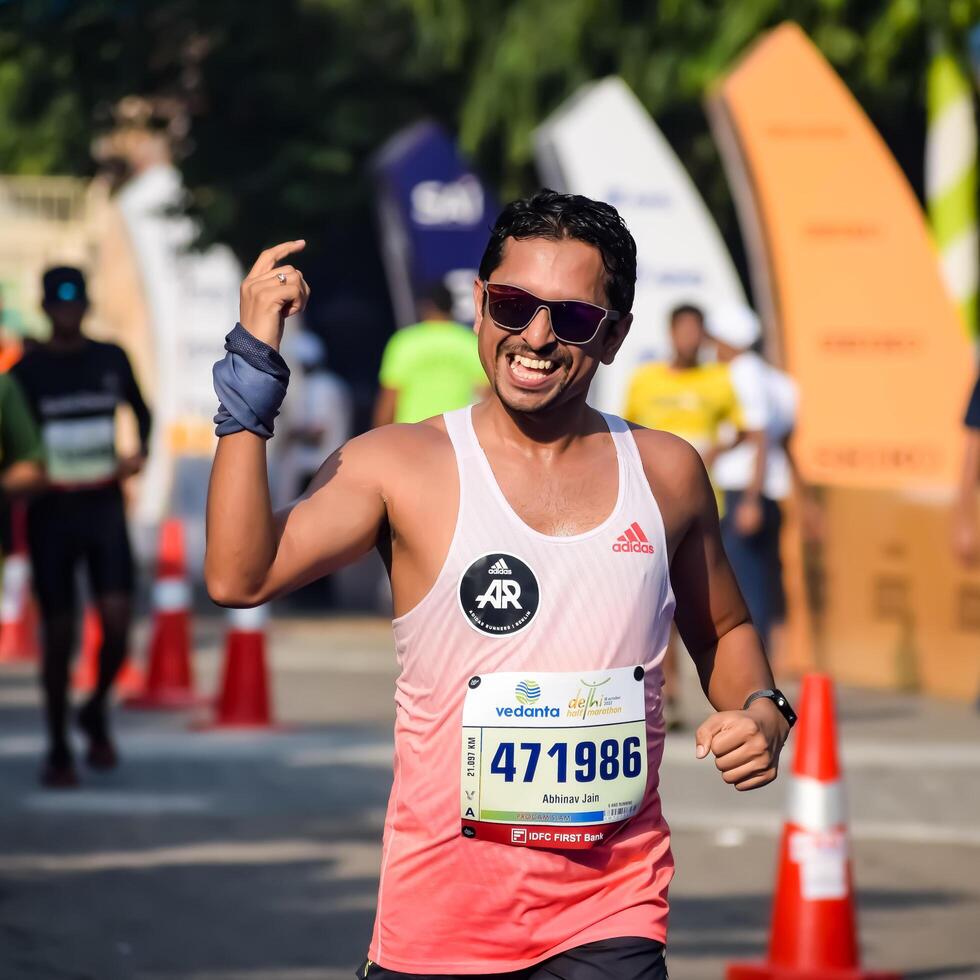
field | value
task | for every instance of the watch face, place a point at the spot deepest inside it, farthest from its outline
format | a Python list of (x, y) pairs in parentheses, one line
[(779, 699)]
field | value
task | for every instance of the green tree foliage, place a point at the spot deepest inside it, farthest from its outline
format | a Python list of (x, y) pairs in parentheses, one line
[(516, 61), (287, 101)]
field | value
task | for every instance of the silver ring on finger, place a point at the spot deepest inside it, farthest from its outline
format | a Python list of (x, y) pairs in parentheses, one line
[(281, 276)]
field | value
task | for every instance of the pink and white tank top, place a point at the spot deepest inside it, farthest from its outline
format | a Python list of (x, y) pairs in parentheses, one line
[(524, 816)]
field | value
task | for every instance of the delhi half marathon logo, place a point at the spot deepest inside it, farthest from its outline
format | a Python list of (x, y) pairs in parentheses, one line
[(527, 692), (590, 703)]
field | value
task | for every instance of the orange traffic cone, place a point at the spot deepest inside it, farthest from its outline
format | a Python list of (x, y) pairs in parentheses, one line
[(18, 613), (129, 681), (86, 673), (169, 679), (243, 701), (814, 930)]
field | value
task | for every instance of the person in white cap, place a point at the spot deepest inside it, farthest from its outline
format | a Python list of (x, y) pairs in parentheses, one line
[(756, 474), (317, 422)]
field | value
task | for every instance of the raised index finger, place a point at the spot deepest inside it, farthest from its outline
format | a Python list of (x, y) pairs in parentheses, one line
[(267, 260)]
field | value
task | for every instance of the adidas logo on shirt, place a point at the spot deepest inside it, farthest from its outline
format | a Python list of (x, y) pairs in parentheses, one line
[(499, 567), (634, 541)]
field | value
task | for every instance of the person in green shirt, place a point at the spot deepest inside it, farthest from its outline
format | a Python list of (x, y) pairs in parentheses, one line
[(21, 452), (430, 367)]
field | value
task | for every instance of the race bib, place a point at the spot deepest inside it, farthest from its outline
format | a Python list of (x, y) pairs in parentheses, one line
[(556, 760), (80, 450)]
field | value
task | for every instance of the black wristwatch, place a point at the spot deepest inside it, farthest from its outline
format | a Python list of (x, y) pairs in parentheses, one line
[(778, 699)]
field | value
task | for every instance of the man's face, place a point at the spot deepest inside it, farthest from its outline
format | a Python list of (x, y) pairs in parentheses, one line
[(532, 370), (66, 318), (687, 336)]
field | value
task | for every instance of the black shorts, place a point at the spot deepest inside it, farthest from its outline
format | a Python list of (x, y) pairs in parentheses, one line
[(628, 958), (65, 529)]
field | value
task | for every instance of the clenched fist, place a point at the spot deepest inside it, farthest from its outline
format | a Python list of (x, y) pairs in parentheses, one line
[(746, 744), (270, 293)]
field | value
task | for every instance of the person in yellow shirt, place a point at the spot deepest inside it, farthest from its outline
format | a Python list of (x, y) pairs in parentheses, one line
[(693, 400), (696, 402)]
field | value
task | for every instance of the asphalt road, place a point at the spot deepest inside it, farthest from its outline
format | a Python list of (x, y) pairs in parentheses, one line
[(212, 856)]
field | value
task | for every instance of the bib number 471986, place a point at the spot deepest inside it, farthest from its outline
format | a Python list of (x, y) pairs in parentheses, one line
[(605, 760), (555, 760)]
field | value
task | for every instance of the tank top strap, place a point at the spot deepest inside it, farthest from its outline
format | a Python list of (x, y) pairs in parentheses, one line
[(626, 447), (460, 434)]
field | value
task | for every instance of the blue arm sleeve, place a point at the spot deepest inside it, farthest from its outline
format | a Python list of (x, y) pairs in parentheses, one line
[(251, 383)]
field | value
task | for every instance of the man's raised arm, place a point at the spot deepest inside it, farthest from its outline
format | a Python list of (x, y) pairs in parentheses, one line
[(253, 554)]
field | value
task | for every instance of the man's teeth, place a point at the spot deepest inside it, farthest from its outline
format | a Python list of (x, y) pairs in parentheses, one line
[(532, 363)]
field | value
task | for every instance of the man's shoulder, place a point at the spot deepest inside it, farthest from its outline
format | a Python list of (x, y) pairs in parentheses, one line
[(715, 380), (107, 349), (748, 366), (405, 338), (671, 464), (437, 332), (663, 449), (715, 370), (30, 364), (402, 444)]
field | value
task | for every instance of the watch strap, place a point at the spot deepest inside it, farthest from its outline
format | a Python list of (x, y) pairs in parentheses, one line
[(778, 699)]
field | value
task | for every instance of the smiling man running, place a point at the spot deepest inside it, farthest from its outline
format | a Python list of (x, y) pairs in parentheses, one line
[(536, 548)]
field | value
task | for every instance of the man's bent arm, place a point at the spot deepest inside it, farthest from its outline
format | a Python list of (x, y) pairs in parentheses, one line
[(712, 617), (714, 623)]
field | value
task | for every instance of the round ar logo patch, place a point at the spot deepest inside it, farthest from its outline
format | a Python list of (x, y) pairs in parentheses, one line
[(499, 594)]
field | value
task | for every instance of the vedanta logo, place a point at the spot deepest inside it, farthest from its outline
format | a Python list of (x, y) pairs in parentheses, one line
[(522, 712), (633, 540), (527, 692)]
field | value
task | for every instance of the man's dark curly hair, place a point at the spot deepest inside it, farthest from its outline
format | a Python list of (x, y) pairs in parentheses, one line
[(549, 214)]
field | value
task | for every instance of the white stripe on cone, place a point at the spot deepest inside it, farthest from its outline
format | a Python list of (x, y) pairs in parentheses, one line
[(16, 576), (816, 805), (171, 595), (248, 620)]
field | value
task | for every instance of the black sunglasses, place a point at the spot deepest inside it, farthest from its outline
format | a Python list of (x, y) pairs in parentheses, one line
[(573, 321)]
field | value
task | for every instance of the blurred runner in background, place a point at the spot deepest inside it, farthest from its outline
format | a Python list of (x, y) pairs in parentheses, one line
[(430, 367), (966, 523), (74, 385), (756, 474), (20, 443), (10, 348), (696, 402), (316, 423)]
